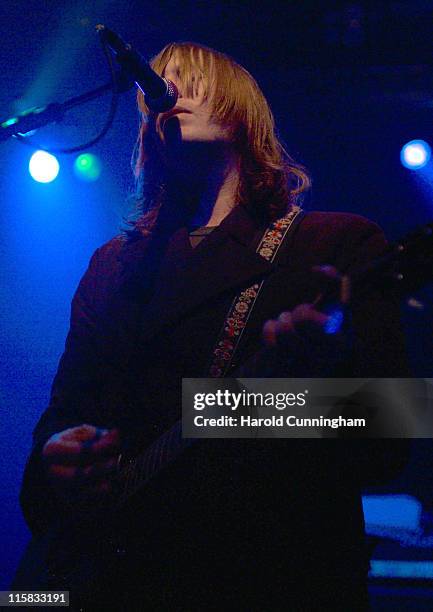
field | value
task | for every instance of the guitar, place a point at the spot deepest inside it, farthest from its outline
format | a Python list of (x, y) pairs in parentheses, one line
[(78, 556)]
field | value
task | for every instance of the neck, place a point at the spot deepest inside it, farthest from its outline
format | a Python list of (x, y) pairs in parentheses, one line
[(217, 196), (209, 180)]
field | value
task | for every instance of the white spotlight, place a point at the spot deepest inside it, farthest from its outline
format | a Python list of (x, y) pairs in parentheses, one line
[(43, 167), (415, 154)]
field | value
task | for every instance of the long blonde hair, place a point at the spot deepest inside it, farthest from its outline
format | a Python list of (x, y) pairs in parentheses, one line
[(270, 180)]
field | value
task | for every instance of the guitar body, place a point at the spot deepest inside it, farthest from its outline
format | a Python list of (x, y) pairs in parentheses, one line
[(91, 553), (82, 559)]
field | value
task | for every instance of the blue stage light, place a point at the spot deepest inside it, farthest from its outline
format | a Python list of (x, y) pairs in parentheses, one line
[(335, 321), (415, 154), (409, 569), (43, 167)]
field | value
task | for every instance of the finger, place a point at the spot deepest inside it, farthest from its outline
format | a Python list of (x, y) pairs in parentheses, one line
[(307, 321), (269, 333), (285, 323), (82, 433), (57, 447), (284, 330), (107, 444), (98, 470), (307, 313), (80, 474), (61, 449), (70, 439)]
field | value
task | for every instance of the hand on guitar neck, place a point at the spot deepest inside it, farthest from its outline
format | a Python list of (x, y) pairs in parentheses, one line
[(307, 341)]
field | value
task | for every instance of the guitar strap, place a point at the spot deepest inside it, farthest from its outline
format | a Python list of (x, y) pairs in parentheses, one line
[(242, 306)]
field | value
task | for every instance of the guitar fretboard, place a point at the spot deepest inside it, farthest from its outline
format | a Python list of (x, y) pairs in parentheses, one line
[(139, 470)]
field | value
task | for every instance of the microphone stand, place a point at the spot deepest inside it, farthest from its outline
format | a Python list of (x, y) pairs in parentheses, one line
[(36, 117)]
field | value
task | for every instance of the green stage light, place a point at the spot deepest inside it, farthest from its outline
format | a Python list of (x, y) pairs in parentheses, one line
[(87, 167)]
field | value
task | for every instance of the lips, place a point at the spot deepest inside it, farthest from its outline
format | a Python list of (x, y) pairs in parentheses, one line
[(172, 113)]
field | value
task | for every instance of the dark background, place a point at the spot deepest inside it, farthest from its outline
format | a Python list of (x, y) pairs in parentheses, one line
[(349, 83)]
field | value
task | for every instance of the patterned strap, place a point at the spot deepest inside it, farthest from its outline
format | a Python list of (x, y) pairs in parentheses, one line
[(242, 306)]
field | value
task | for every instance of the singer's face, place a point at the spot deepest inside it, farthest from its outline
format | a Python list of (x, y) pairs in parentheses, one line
[(190, 121)]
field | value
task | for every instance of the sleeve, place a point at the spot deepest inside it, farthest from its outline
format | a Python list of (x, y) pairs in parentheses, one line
[(378, 340), (378, 350), (72, 401)]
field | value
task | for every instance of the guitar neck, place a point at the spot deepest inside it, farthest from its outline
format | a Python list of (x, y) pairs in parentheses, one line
[(141, 469)]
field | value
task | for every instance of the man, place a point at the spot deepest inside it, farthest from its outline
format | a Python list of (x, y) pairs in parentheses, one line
[(248, 524)]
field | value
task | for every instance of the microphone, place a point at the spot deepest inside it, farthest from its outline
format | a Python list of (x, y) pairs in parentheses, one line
[(160, 94)]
